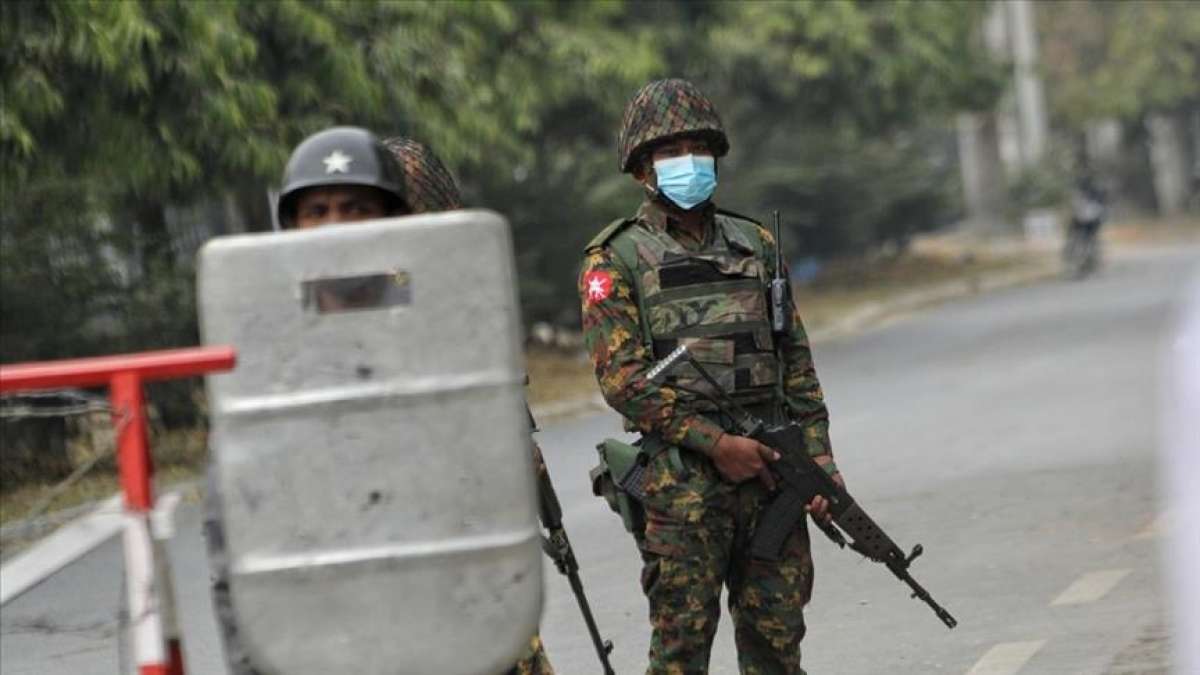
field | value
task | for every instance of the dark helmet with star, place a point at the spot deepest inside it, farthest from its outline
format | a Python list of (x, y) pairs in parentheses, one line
[(428, 186), (340, 156), (665, 109)]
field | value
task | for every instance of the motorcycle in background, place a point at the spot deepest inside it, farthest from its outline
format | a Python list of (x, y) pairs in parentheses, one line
[(1081, 251)]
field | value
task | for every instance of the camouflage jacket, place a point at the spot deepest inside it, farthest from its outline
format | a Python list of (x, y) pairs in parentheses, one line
[(613, 334)]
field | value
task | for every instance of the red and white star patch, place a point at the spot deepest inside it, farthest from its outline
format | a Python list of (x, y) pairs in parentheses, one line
[(598, 285)]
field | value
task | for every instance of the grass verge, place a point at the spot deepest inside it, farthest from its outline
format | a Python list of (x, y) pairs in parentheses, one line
[(179, 455)]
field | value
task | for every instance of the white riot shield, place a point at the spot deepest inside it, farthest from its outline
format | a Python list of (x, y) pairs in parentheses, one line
[(372, 447)]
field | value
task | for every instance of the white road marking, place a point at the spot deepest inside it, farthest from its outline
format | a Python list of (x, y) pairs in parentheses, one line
[(1006, 658), (1090, 587)]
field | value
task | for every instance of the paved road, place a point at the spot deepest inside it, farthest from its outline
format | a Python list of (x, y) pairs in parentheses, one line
[(1014, 435)]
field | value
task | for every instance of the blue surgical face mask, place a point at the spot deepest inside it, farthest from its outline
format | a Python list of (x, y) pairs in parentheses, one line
[(688, 180)]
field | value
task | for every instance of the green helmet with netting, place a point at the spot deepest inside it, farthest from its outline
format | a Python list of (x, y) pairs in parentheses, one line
[(428, 186), (340, 156), (663, 110)]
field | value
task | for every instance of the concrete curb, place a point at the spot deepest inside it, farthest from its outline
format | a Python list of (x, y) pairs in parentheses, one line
[(67, 544), (876, 314), (20, 532), (30, 528), (72, 541), (569, 408)]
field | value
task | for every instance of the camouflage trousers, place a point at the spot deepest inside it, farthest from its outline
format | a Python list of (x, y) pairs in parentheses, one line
[(695, 542)]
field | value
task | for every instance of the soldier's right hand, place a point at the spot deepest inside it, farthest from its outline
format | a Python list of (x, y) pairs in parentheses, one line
[(739, 458)]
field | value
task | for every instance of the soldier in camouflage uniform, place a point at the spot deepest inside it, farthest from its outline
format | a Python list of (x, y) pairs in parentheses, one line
[(682, 271), (429, 188)]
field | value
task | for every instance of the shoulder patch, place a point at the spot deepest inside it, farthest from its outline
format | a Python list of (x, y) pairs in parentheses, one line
[(597, 285), (609, 231)]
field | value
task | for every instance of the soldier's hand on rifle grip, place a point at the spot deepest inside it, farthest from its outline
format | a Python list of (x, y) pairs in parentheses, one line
[(739, 458), (819, 506)]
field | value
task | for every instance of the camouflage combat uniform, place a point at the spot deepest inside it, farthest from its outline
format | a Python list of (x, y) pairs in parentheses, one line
[(428, 188), (646, 286)]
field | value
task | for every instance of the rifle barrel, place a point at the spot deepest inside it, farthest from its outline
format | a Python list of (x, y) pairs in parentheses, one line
[(923, 595), (603, 647)]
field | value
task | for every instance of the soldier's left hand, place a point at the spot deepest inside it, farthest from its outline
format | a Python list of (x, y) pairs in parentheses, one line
[(819, 506)]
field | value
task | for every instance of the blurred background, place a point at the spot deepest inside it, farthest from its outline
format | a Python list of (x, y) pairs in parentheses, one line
[(132, 132), (918, 152)]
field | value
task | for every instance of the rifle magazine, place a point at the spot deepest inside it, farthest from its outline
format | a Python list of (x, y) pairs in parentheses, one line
[(776, 523)]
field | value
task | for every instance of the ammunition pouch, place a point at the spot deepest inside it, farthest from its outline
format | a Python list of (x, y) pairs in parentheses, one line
[(618, 478)]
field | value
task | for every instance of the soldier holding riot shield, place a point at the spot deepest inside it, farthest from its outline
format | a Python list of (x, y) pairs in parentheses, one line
[(321, 184), (346, 175)]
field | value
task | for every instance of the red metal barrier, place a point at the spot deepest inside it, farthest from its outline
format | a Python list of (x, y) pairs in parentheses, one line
[(124, 375), (166, 364), (156, 642)]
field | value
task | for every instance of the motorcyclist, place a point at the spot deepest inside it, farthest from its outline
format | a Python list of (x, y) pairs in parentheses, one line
[(1081, 252)]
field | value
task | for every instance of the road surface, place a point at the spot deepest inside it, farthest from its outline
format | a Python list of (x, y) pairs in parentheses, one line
[(1014, 435)]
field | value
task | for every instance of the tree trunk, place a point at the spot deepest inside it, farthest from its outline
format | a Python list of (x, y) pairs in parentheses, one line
[(1028, 93), (1168, 157), (982, 171)]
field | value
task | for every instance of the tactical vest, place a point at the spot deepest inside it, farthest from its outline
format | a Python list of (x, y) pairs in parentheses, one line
[(713, 300)]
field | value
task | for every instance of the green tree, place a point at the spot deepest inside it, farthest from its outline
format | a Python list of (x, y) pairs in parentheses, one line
[(521, 98), (114, 112), (1135, 63), (101, 122), (840, 113), (1120, 59)]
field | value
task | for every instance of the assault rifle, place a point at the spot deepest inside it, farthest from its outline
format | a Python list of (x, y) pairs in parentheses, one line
[(558, 547), (800, 479)]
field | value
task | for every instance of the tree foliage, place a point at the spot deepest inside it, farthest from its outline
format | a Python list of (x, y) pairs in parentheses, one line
[(1120, 59), (841, 113), (113, 113)]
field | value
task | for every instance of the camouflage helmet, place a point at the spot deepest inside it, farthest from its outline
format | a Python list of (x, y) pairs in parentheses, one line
[(339, 156), (428, 186), (664, 109)]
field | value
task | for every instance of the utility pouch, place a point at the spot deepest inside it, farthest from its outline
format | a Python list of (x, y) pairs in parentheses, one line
[(618, 478)]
